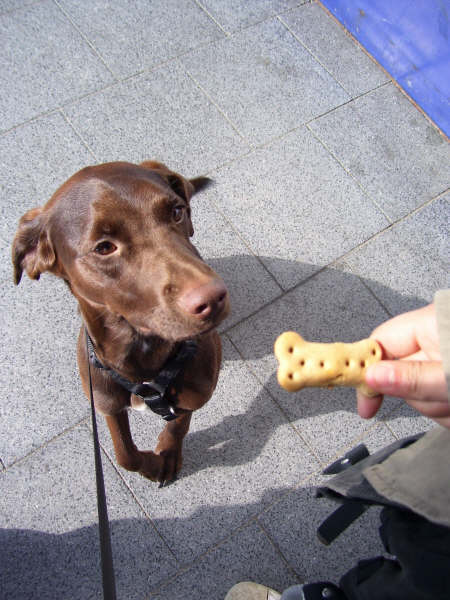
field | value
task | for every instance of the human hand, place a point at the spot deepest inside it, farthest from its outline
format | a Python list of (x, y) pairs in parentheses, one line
[(411, 367)]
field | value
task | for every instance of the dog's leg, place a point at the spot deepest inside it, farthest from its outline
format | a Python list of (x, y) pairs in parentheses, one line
[(148, 463), (169, 447)]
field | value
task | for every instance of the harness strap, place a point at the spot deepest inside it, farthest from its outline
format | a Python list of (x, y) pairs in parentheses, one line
[(160, 394), (352, 489), (352, 457), (339, 520), (350, 509)]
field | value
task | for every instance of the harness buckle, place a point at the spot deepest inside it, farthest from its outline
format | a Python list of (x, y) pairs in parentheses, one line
[(149, 389), (160, 395), (154, 396)]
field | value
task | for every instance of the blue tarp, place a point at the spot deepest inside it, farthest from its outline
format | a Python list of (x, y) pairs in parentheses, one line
[(411, 40)]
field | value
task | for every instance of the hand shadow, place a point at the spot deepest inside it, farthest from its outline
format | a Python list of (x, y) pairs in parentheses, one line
[(335, 305)]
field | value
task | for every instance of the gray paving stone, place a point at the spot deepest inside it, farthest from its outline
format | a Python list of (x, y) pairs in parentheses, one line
[(249, 284), (292, 525), (405, 421), (10, 5), (234, 14), (275, 217), (295, 206), (49, 539), (408, 263), (132, 35), (42, 394), (378, 436), (161, 115), (390, 148), (336, 51), (37, 158), (239, 455), (46, 62), (332, 306), (264, 80), (247, 556), (41, 391)]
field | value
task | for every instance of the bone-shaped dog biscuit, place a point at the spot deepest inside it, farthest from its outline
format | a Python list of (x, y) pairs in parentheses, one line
[(310, 364)]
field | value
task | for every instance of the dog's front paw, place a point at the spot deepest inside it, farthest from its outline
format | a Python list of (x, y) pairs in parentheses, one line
[(151, 465), (162, 467), (172, 463)]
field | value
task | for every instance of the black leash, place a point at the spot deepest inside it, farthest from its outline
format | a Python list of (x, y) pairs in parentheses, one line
[(161, 397), (109, 583)]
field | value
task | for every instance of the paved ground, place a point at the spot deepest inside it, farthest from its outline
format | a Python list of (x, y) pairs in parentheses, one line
[(329, 213)]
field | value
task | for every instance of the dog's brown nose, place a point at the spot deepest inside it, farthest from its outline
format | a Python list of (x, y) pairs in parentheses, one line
[(204, 301)]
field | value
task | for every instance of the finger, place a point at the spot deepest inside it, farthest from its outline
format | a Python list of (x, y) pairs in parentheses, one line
[(416, 380), (368, 406), (398, 336), (421, 355), (438, 411), (433, 409)]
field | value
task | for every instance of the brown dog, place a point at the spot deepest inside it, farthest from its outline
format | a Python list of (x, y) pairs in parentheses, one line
[(118, 234)]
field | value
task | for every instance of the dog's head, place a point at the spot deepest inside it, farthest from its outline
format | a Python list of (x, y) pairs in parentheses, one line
[(119, 235)]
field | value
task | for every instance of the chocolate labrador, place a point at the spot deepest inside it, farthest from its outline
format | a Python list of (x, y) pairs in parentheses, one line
[(118, 235)]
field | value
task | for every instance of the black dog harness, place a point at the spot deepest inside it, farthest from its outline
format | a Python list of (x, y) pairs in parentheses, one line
[(160, 394)]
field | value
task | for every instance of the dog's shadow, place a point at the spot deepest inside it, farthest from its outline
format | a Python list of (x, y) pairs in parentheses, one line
[(334, 305)]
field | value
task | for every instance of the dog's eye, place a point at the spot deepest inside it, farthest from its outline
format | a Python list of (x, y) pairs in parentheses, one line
[(105, 248), (178, 213)]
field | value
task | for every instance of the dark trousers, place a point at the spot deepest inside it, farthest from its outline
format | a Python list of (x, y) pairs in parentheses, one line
[(420, 569)]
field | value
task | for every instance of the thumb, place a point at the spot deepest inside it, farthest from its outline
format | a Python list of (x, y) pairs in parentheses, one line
[(415, 380)]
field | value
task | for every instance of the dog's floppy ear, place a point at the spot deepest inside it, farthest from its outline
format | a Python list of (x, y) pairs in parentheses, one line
[(32, 250), (185, 188), (200, 183)]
